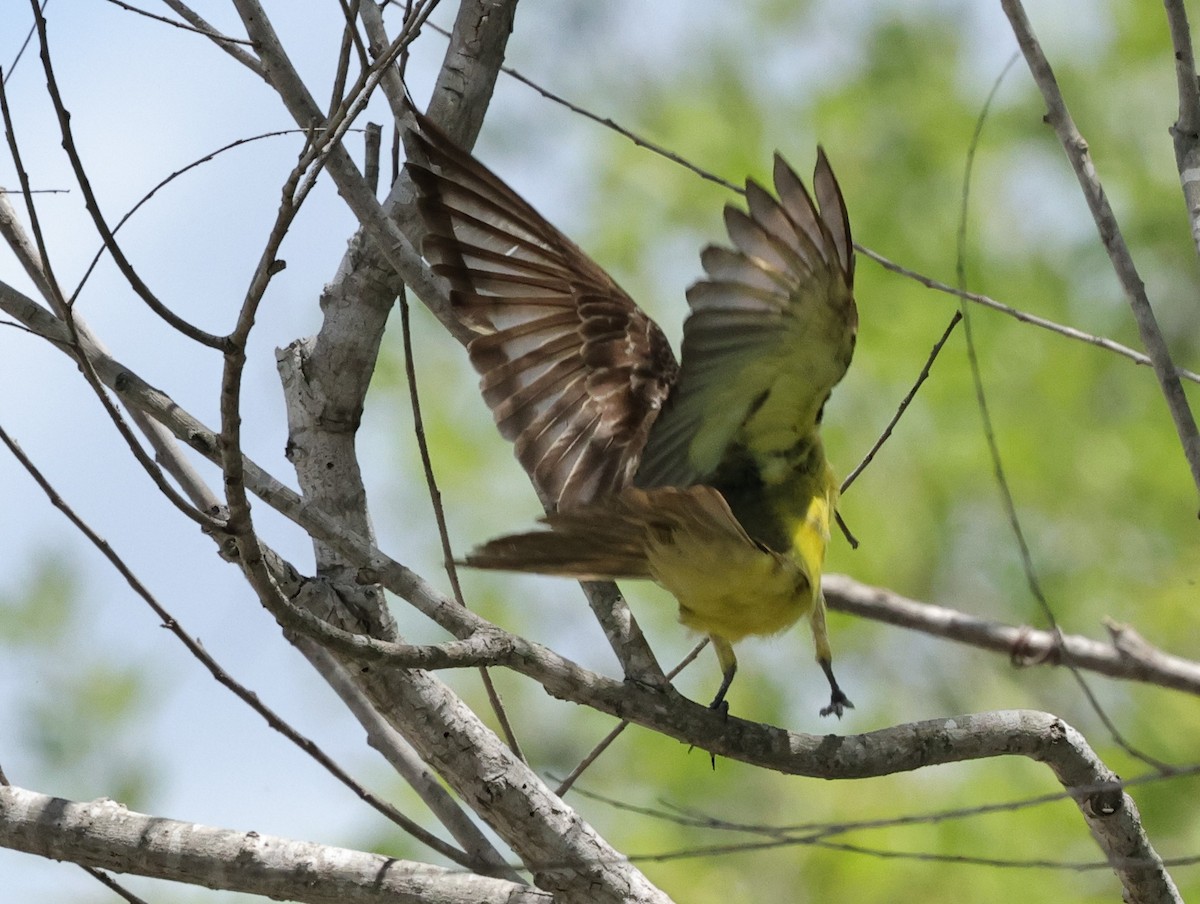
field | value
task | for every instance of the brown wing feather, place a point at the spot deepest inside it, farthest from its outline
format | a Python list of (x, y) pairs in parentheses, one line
[(574, 372)]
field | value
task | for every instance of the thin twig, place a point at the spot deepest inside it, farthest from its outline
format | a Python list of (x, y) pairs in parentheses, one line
[(692, 852), (594, 754), (205, 30), (81, 344), (369, 79), (904, 403), (818, 833), (350, 37), (1110, 235), (21, 50), (614, 126), (112, 885), (227, 44), (123, 264), (37, 264), (439, 516), (689, 817), (989, 432), (240, 521), (166, 181), (199, 653), (1024, 317)]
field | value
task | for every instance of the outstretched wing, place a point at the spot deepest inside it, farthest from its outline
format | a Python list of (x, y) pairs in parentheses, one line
[(771, 331), (574, 372)]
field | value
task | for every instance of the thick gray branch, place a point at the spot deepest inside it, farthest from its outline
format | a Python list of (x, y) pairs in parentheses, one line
[(400, 754), (104, 835)]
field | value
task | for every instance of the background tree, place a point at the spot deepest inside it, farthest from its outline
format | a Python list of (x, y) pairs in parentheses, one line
[(100, 701)]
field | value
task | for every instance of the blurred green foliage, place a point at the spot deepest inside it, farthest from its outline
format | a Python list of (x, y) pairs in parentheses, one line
[(1089, 451), (75, 704)]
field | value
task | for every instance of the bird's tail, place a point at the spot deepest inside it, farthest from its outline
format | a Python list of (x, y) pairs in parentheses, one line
[(614, 537), (599, 545)]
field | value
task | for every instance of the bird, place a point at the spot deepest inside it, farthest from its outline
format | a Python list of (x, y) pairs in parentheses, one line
[(706, 473)]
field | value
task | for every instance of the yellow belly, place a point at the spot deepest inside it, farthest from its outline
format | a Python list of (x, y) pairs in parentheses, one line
[(731, 589)]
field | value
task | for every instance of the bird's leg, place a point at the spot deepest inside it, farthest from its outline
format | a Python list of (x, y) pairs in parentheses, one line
[(838, 701), (728, 663)]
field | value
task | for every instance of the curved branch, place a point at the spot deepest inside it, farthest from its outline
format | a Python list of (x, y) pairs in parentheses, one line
[(1110, 814)]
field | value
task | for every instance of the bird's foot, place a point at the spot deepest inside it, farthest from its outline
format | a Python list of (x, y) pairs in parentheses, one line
[(838, 704)]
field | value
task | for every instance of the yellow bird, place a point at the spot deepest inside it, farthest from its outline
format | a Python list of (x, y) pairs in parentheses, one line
[(708, 477)]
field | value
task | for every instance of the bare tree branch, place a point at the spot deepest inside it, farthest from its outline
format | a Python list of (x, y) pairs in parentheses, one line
[(103, 834), (203, 29), (198, 652), (400, 754), (79, 339), (93, 206), (229, 45), (1186, 130), (1127, 655), (1110, 235)]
